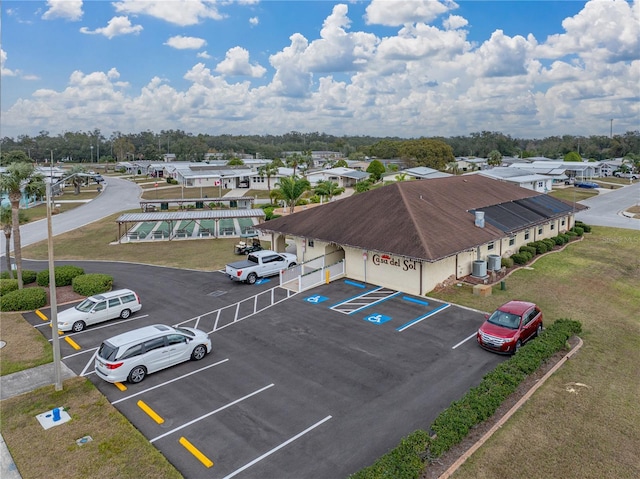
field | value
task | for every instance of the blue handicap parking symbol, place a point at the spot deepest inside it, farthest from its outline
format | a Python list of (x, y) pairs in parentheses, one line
[(262, 281), (315, 299), (376, 318)]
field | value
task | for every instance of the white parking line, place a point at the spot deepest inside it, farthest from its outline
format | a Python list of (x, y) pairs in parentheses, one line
[(90, 363), (85, 351), (171, 381), (212, 413), (268, 453), (464, 341)]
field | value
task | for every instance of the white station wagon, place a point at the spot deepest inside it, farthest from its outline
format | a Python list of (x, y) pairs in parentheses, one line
[(96, 309)]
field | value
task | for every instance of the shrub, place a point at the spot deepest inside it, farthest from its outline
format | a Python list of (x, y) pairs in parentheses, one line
[(521, 258), (577, 230), (585, 227), (565, 237), (26, 299), (90, 284), (571, 234), (559, 240), (507, 262), (550, 243), (28, 276), (7, 285), (6, 275), (540, 247), (529, 249), (64, 275)]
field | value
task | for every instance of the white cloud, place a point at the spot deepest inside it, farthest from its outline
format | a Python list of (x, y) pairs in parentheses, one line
[(204, 54), (186, 43), (502, 56), (254, 21), (5, 72), (117, 26), (604, 31), (65, 9), (453, 22), (179, 12), (236, 62), (395, 13)]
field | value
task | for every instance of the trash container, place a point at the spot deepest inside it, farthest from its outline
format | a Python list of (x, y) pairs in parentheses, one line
[(503, 285)]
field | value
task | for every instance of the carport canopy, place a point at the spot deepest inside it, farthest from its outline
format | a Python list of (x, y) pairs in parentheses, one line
[(172, 217)]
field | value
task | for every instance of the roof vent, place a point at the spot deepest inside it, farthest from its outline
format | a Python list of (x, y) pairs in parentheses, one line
[(480, 219)]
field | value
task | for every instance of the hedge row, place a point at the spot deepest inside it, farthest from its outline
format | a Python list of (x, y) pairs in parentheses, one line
[(28, 276), (408, 460), (29, 299), (527, 252)]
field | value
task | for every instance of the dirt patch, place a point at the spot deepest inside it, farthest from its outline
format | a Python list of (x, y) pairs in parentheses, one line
[(440, 465)]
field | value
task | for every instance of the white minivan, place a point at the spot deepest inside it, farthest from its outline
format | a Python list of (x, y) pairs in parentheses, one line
[(101, 307), (132, 355)]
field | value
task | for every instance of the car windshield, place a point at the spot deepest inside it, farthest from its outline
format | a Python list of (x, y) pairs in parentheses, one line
[(504, 319), (86, 305), (186, 332)]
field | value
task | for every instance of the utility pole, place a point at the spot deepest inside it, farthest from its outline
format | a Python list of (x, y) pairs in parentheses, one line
[(611, 129)]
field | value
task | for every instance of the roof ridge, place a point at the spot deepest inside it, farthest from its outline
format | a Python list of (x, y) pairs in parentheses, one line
[(423, 241)]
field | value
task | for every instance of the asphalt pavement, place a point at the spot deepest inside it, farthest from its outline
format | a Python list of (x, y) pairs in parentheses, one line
[(606, 209)]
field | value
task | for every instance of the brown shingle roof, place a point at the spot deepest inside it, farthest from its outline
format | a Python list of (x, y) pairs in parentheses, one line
[(423, 219)]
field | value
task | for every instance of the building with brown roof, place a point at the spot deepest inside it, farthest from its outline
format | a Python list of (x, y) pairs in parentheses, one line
[(413, 235)]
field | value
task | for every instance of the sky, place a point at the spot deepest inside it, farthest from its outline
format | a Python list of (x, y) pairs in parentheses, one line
[(383, 68)]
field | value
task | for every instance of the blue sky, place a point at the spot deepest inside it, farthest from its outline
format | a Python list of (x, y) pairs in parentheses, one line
[(410, 68)]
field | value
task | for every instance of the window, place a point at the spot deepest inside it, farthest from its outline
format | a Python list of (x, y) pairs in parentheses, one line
[(563, 222), (128, 298), (490, 246), (540, 230), (114, 302), (101, 306), (552, 226), (176, 339), (154, 344), (512, 241), (526, 235), (310, 243), (132, 351)]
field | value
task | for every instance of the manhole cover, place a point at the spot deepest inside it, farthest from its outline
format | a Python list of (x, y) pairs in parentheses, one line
[(216, 293)]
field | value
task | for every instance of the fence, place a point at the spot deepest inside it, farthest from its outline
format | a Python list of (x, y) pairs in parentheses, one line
[(310, 274)]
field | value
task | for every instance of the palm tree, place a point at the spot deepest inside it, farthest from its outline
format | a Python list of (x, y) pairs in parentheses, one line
[(78, 179), (6, 225), (268, 170), (292, 188), (20, 177), (328, 188)]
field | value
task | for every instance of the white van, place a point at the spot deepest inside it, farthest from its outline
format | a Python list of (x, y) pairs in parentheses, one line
[(96, 309), (132, 355)]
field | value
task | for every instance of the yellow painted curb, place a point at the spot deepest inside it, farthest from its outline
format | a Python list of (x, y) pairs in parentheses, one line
[(121, 386), (193, 450), (41, 315), (73, 344), (508, 415)]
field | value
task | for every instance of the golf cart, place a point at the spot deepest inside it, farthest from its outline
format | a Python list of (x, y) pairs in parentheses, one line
[(249, 242)]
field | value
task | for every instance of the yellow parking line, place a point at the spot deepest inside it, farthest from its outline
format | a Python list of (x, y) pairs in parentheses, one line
[(42, 315), (121, 386), (193, 450), (150, 412), (73, 344)]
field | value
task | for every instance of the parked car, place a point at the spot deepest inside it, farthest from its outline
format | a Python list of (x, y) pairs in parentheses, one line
[(98, 178), (620, 174), (586, 184), (101, 307), (132, 355), (510, 326), (259, 264)]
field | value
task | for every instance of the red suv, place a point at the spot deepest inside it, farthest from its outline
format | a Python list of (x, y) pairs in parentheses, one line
[(510, 326)]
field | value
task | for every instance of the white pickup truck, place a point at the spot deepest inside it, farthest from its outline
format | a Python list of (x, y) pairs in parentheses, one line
[(259, 265)]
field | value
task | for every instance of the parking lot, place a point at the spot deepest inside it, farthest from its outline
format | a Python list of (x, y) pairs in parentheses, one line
[(320, 384)]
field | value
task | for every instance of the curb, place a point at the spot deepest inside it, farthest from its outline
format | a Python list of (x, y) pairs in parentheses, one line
[(508, 415)]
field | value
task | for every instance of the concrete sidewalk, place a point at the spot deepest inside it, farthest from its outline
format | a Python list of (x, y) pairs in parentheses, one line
[(19, 383)]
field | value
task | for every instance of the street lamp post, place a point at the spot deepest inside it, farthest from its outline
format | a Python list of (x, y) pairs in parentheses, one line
[(91, 153), (52, 293)]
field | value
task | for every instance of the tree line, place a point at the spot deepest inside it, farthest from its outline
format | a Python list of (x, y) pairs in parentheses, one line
[(93, 146)]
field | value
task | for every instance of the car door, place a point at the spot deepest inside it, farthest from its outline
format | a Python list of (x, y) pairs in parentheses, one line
[(157, 355), (275, 263), (528, 324), (98, 313), (179, 348), (114, 306)]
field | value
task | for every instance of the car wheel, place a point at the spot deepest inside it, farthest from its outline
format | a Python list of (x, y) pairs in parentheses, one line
[(78, 326), (137, 374), (539, 330), (251, 279), (518, 346), (125, 313), (198, 353), (292, 265)]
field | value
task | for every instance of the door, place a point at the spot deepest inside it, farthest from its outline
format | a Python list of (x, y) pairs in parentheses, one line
[(115, 307), (179, 348), (157, 355), (98, 313), (529, 324), (273, 264)]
